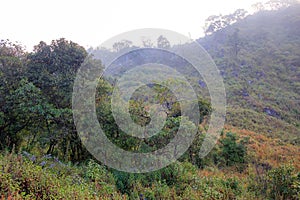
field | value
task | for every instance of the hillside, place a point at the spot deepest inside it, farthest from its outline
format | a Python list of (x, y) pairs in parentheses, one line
[(257, 156), (259, 59)]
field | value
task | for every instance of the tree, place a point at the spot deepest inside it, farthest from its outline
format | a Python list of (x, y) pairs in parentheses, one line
[(12, 59), (52, 68), (147, 43), (218, 22), (235, 43), (214, 23), (163, 42), (32, 111), (123, 44)]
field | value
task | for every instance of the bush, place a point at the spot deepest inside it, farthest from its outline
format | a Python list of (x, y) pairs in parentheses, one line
[(284, 183), (279, 183), (231, 151), (20, 178)]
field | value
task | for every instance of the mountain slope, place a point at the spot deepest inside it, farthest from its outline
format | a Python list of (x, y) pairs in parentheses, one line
[(259, 58)]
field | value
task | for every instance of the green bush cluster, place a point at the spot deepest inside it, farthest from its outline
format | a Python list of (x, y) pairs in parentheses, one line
[(178, 181), (278, 183), (28, 178), (232, 151), (20, 178)]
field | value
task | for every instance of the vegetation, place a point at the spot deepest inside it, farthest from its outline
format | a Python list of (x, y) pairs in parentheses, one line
[(258, 58), (257, 156)]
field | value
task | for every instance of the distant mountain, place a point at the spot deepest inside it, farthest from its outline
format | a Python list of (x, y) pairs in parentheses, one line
[(259, 58)]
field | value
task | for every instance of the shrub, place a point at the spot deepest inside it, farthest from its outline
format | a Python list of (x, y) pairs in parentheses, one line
[(279, 183), (232, 151), (284, 183), (20, 178)]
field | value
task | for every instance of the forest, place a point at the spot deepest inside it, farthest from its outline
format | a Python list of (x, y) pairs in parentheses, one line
[(256, 157)]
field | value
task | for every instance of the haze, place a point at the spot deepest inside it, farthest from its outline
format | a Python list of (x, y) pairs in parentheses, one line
[(90, 23)]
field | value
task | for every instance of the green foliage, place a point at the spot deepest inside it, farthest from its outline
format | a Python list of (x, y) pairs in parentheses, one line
[(11, 73), (216, 188), (179, 180), (35, 97), (258, 59), (232, 152), (102, 180), (53, 67), (178, 175), (21, 178), (282, 182), (47, 178)]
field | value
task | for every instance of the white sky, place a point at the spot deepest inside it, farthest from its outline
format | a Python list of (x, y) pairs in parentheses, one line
[(90, 23)]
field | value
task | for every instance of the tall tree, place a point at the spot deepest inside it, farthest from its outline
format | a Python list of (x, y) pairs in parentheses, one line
[(53, 68), (12, 58)]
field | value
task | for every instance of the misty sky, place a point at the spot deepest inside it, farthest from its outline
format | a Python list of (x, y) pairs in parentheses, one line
[(90, 23)]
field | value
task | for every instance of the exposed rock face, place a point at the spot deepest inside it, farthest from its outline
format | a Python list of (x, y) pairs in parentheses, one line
[(272, 112)]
